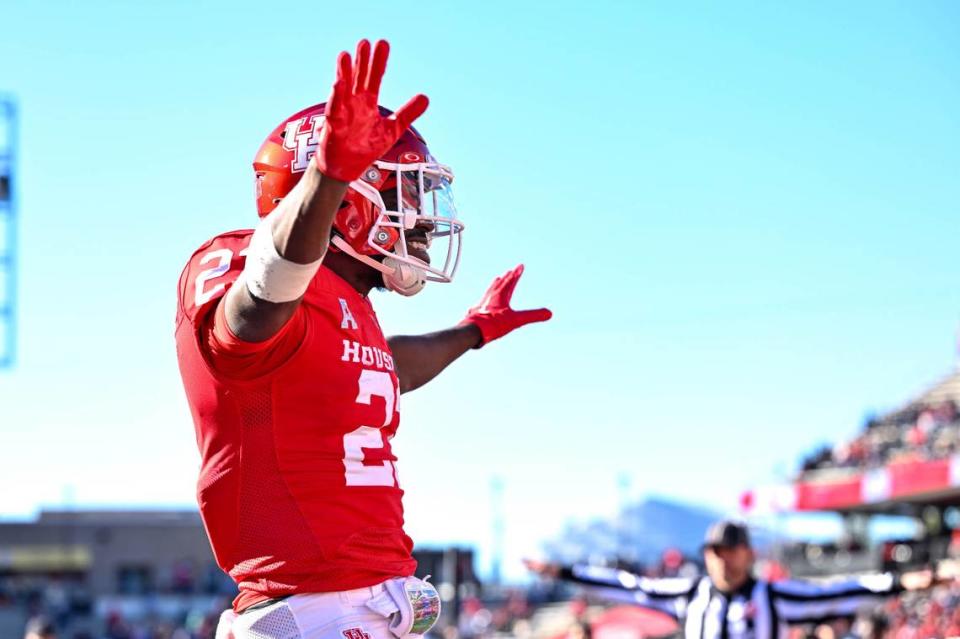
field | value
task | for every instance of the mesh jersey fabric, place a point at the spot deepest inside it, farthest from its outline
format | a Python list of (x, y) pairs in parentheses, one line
[(297, 486)]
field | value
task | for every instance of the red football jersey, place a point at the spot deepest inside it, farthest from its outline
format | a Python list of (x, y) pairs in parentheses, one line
[(298, 488)]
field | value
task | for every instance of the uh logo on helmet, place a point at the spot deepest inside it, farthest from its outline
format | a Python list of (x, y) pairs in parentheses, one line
[(405, 189)]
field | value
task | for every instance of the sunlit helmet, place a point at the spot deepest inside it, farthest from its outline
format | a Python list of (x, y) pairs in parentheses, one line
[(405, 195)]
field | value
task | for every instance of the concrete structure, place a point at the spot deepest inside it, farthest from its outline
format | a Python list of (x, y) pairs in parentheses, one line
[(84, 566), (114, 552)]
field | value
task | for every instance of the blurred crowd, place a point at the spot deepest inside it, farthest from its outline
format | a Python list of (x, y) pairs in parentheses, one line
[(547, 610), (926, 615), (184, 605), (930, 615), (115, 626), (530, 615), (913, 433), (933, 614)]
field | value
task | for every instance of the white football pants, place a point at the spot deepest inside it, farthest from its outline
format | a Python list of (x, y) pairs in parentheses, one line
[(328, 615)]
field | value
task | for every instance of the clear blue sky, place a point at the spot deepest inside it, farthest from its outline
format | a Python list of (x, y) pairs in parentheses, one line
[(744, 216)]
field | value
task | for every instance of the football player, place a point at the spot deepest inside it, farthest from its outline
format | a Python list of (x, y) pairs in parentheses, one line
[(292, 386)]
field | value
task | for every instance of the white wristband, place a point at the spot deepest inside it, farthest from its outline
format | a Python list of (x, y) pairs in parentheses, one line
[(268, 275)]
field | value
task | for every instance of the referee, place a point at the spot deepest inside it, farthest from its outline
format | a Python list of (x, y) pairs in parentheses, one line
[(729, 603)]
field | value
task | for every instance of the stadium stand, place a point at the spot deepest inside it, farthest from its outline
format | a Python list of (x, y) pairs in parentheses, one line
[(907, 463), (926, 429), (909, 456)]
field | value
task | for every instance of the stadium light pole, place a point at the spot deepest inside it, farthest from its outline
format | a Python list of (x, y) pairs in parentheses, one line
[(497, 524), (8, 232), (623, 518)]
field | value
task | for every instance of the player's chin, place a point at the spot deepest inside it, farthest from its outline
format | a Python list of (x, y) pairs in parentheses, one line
[(418, 253)]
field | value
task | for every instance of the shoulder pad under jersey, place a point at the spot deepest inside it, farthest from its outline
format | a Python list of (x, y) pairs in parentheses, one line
[(211, 270)]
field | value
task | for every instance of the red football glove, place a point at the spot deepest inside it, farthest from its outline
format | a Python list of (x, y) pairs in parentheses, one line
[(354, 133), (493, 315)]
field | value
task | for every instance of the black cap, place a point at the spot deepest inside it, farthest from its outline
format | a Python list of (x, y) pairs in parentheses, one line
[(727, 534)]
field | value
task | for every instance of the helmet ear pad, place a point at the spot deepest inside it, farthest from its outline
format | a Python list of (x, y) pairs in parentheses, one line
[(403, 278), (353, 222)]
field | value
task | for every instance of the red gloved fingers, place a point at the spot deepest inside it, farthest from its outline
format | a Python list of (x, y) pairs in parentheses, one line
[(496, 284), (410, 111), (362, 66), (494, 325), (512, 278), (490, 300), (533, 315), (501, 291), (341, 84), (355, 133), (380, 54), (344, 69), (494, 295), (493, 315)]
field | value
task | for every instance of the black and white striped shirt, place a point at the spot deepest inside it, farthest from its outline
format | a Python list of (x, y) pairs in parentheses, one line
[(757, 610)]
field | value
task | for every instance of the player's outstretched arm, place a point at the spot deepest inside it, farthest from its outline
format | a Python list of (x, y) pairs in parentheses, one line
[(289, 245), (420, 358)]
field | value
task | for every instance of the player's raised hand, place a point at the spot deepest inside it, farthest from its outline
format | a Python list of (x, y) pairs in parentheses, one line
[(493, 315), (354, 131)]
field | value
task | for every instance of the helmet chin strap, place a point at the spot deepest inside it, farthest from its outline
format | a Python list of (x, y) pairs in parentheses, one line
[(402, 278), (398, 276)]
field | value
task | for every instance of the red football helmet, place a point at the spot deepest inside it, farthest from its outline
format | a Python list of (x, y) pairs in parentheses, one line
[(405, 188)]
